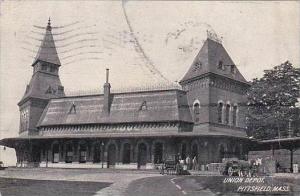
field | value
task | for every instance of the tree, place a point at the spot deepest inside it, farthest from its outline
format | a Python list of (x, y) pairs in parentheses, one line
[(272, 102)]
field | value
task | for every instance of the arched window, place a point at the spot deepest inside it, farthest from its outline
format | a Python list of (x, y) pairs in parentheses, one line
[(97, 153), (126, 153), (234, 115), (69, 153), (196, 111), (82, 153), (55, 153), (220, 108), (227, 112), (220, 65)]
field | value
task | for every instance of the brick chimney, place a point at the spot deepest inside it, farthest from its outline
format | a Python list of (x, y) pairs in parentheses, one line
[(106, 102)]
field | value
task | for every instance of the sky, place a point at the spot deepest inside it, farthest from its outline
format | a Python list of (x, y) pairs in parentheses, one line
[(158, 48)]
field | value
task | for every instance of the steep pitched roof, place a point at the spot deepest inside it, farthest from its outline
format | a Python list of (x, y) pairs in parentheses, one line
[(43, 86), (47, 51), (152, 106), (207, 61)]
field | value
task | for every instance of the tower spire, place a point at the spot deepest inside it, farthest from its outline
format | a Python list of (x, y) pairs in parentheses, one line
[(47, 51), (49, 28)]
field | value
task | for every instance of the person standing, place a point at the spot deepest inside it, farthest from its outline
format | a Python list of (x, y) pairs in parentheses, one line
[(195, 164), (188, 162)]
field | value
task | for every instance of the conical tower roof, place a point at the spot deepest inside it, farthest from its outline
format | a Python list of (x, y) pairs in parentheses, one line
[(210, 56), (47, 51)]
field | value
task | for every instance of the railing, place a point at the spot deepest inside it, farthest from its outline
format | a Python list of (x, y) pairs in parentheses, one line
[(125, 89)]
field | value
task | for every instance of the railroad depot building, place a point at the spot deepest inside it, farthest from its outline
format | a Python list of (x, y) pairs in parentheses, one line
[(204, 118)]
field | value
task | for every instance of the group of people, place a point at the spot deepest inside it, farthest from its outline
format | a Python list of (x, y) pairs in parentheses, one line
[(188, 163)]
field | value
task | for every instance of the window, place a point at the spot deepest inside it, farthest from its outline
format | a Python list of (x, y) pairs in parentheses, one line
[(234, 115), (72, 109), (82, 153), (52, 69), (196, 111), (232, 69), (198, 65), (44, 67), (69, 153), (227, 112), (55, 153), (24, 120), (220, 108), (220, 65), (143, 106), (50, 90)]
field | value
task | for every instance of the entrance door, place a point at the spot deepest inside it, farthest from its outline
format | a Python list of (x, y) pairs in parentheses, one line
[(126, 153), (36, 155), (183, 151), (142, 155), (97, 153), (194, 151), (111, 155), (158, 153)]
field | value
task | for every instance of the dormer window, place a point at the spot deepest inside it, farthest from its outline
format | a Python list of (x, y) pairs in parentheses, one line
[(72, 109), (232, 69), (198, 65), (220, 65), (50, 90), (143, 106)]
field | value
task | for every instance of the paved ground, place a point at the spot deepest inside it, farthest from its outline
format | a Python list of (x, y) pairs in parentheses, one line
[(117, 179), (201, 186), (108, 182), (25, 187)]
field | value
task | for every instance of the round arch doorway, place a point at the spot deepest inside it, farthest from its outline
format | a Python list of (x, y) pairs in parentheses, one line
[(111, 156), (142, 155)]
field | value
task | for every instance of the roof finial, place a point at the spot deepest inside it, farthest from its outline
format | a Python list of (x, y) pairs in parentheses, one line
[(49, 24), (211, 34)]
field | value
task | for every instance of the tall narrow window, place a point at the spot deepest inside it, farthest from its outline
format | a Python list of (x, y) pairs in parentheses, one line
[(232, 69), (234, 115), (82, 153), (220, 65), (220, 107), (227, 112), (55, 153), (69, 153), (196, 112)]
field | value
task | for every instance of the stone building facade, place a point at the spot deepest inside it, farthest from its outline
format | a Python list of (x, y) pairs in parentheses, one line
[(132, 129)]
